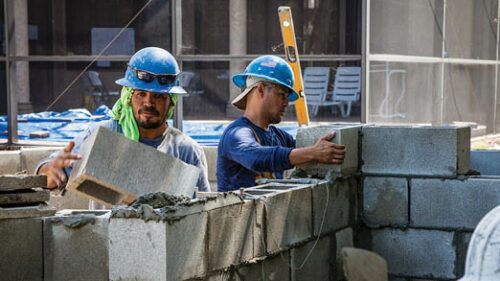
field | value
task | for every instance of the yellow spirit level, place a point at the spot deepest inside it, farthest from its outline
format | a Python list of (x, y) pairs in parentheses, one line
[(292, 57)]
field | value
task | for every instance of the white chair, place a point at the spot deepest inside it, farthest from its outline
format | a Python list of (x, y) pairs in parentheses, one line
[(347, 87), (316, 88)]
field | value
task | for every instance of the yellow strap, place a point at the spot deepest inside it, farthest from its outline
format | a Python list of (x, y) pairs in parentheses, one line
[(267, 175)]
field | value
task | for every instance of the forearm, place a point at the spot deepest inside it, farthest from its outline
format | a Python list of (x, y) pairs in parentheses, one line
[(302, 155)]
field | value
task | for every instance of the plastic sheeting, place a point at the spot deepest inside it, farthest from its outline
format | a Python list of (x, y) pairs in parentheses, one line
[(65, 126)]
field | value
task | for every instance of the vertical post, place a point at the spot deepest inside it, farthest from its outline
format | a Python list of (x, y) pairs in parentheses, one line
[(237, 46), (11, 97), (495, 98), (176, 10), (342, 25), (443, 50), (20, 47), (365, 64)]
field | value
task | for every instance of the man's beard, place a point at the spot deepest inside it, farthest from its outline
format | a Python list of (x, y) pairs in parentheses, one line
[(147, 123), (275, 119)]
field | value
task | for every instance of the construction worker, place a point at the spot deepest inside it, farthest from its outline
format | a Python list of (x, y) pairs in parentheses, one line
[(148, 97), (250, 148)]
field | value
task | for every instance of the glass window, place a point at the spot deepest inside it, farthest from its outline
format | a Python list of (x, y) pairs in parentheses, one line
[(406, 27), (471, 28), (404, 92), (469, 94), (84, 27)]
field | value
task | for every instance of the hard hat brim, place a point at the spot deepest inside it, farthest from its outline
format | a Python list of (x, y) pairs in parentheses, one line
[(240, 79), (152, 87)]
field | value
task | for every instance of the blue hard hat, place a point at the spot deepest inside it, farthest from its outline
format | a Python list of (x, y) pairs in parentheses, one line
[(156, 61), (272, 68)]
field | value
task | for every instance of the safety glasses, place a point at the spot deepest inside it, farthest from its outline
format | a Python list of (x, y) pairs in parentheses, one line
[(148, 77)]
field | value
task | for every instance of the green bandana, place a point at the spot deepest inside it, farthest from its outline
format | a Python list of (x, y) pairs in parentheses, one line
[(122, 111)]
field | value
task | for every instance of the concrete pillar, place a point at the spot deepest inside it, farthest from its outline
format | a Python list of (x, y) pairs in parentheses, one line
[(59, 77), (237, 46), (18, 29)]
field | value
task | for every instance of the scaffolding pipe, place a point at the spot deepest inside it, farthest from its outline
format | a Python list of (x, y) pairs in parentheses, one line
[(11, 98)]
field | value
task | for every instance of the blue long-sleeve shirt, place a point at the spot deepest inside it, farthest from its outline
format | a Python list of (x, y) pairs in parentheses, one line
[(247, 152)]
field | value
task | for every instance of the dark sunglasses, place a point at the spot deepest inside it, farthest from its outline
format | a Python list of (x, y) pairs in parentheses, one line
[(148, 77)]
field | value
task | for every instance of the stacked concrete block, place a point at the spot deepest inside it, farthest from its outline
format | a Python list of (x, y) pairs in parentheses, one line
[(417, 253), (385, 201), (314, 260), (452, 204), (486, 162), (31, 157), (21, 249), (158, 250), (211, 155), (22, 196), (343, 238), (10, 162), (416, 150), (333, 205), (288, 215), (239, 228), (73, 239), (346, 135), (113, 169), (271, 268)]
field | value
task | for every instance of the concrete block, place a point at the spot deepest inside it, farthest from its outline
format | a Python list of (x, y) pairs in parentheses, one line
[(385, 201), (15, 182), (21, 248), (417, 253), (76, 246), (31, 157), (158, 250), (270, 269), (26, 196), (70, 200), (288, 217), (10, 162), (343, 238), (416, 150), (454, 204), (341, 208), (211, 155), (113, 168), (318, 265), (239, 228), (487, 162), (29, 211), (345, 134)]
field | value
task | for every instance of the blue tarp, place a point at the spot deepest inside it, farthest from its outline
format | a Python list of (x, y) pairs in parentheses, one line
[(64, 126)]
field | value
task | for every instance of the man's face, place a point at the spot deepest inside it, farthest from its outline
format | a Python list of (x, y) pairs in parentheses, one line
[(275, 101), (150, 109)]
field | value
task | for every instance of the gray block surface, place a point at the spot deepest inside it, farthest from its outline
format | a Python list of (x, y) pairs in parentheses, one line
[(270, 269), (317, 265), (32, 156), (339, 210), (140, 250), (76, 246), (15, 182), (416, 150), (288, 217), (346, 135), (385, 201), (417, 253), (26, 196), (239, 228), (21, 249), (28, 211), (114, 168), (487, 162), (452, 204), (10, 162)]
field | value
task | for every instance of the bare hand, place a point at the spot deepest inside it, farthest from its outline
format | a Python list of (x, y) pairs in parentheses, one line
[(54, 169), (328, 152)]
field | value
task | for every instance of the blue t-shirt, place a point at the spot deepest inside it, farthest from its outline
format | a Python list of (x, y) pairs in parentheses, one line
[(247, 152)]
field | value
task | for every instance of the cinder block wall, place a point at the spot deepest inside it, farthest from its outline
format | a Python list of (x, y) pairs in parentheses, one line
[(418, 205)]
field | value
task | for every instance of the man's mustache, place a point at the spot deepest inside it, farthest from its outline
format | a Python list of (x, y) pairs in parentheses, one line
[(150, 109)]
